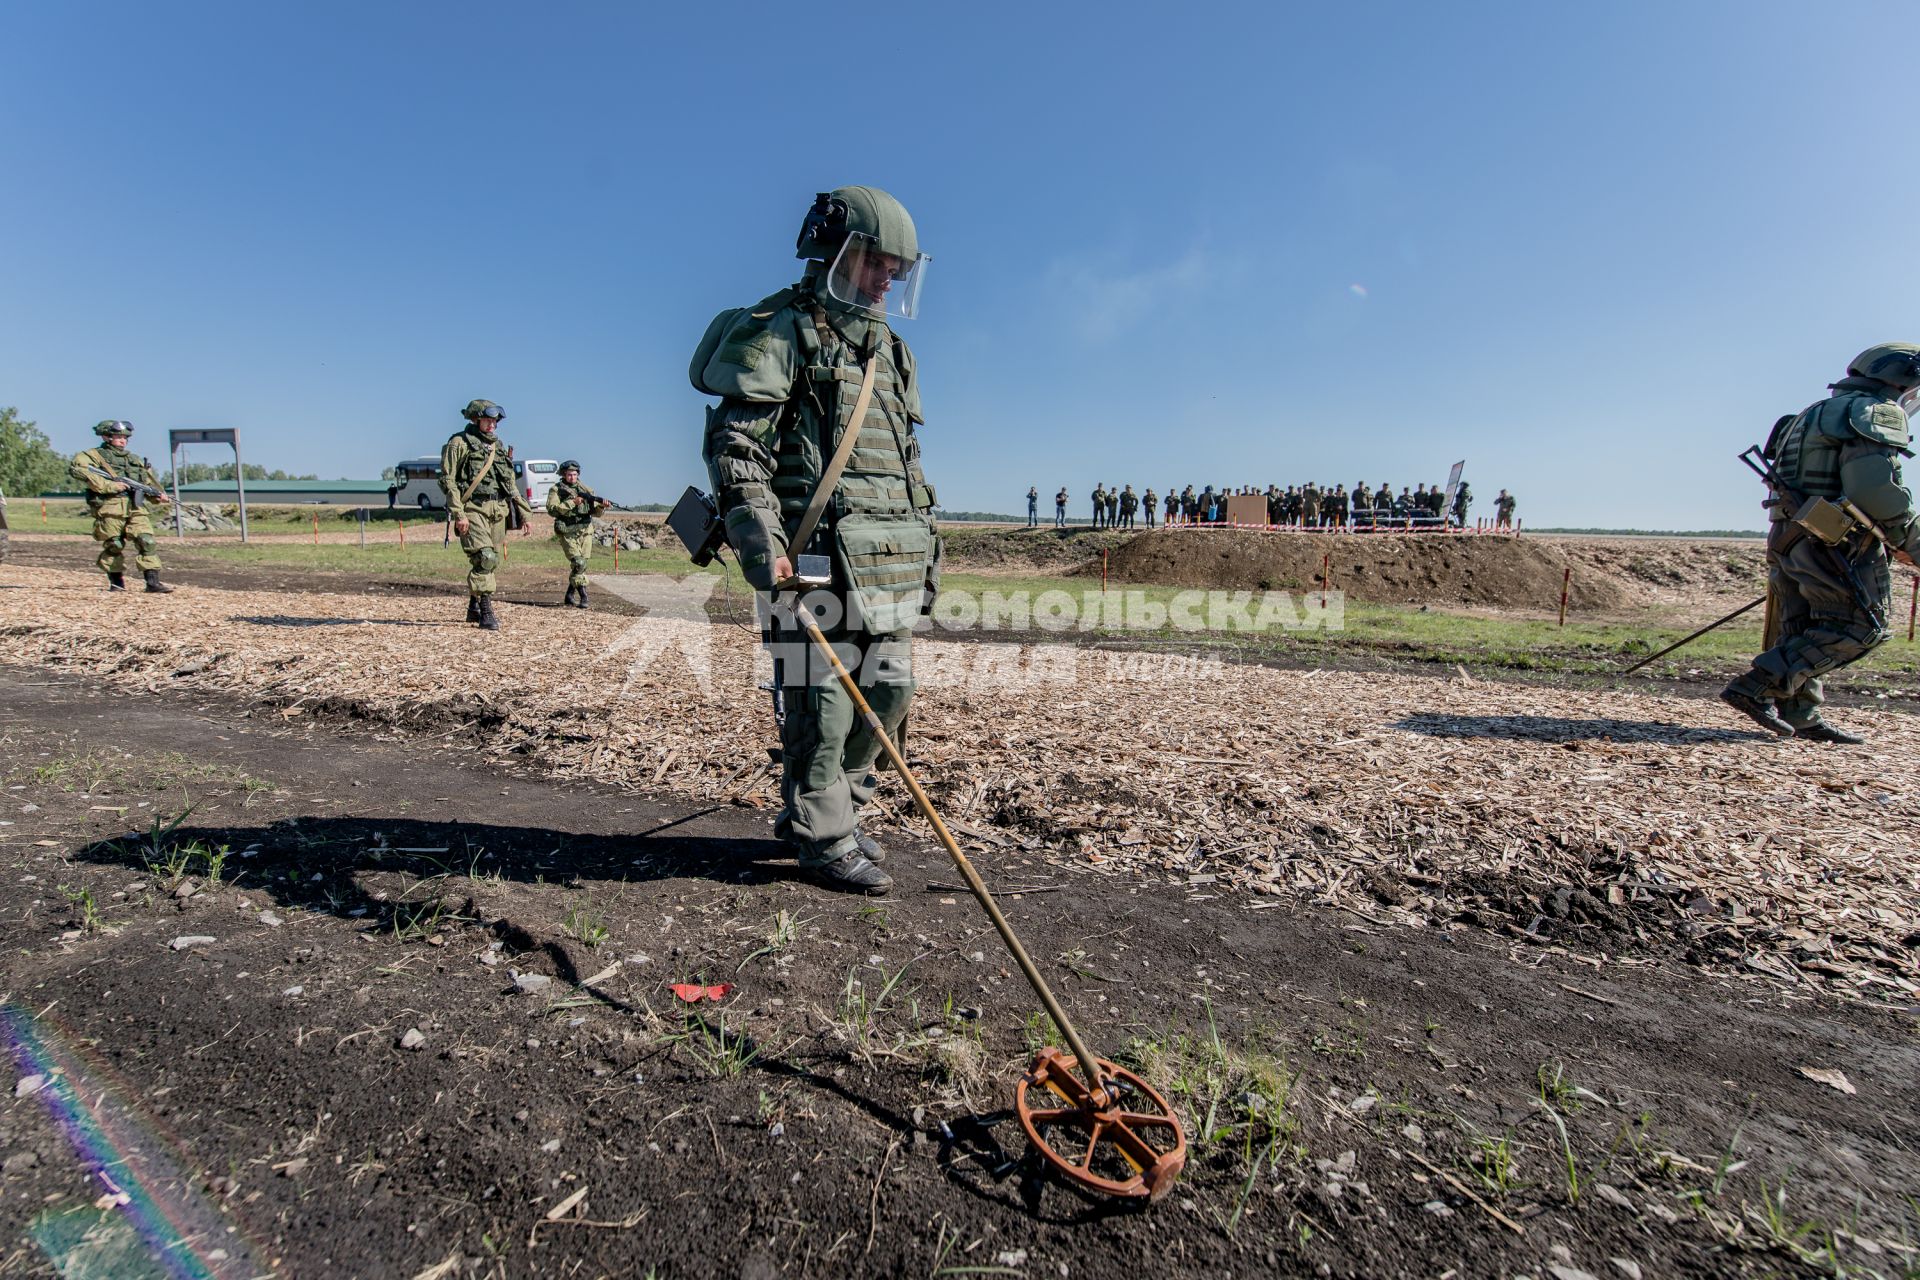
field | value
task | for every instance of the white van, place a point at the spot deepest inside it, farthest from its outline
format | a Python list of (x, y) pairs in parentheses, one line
[(416, 483), (535, 477)]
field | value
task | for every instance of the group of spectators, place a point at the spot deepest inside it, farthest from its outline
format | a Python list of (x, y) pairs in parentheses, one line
[(1306, 506)]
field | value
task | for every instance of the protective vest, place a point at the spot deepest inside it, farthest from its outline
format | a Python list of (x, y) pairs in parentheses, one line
[(879, 522), (124, 463), (498, 480), (1806, 452), (566, 519)]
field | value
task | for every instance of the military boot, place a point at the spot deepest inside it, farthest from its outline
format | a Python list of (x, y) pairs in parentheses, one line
[(473, 608), (851, 873), (567, 599), (1821, 731), (870, 847), (1759, 710), (486, 619), (116, 582), (155, 586), (580, 596)]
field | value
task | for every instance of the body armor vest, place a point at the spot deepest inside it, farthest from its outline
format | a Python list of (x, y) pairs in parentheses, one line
[(1808, 454)]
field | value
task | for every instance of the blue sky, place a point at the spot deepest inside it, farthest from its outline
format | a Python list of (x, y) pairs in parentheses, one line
[(1593, 250)]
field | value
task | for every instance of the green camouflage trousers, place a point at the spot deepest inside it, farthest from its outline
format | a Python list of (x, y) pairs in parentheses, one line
[(577, 546), (486, 535), (116, 523), (1822, 625), (827, 751)]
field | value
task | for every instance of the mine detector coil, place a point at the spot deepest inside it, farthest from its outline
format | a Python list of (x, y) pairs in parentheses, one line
[(1098, 1125)]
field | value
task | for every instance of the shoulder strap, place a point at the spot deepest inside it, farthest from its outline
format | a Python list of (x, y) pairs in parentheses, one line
[(467, 494), (831, 476)]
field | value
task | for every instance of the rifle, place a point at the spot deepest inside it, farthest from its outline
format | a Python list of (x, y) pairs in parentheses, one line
[(1830, 522), (140, 494)]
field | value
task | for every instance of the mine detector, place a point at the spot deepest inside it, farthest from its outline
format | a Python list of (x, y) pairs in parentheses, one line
[(1098, 1125)]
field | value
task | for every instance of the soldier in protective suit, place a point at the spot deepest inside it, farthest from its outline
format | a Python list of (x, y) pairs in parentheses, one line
[(1831, 601), (476, 474), (796, 373), (116, 520)]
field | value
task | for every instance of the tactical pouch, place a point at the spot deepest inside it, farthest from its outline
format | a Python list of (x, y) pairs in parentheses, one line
[(885, 560), (1824, 521)]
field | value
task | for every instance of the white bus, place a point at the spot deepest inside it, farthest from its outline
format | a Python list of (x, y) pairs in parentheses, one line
[(416, 483), (536, 476)]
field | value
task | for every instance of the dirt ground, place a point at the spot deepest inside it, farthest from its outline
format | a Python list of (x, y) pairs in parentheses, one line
[(1362, 1100), (1524, 572)]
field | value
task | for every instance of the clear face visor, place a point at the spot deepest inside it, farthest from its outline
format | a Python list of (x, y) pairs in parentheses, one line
[(862, 276), (1910, 401)]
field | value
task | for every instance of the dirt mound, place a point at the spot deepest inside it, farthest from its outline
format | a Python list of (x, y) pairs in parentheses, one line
[(1676, 570), (1045, 550), (1384, 569)]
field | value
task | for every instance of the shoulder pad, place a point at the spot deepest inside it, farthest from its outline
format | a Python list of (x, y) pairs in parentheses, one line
[(1880, 422), (749, 353)]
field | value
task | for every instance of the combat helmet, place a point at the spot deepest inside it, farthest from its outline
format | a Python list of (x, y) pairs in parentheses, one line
[(1895, 363), (845, 211), (569, 465), (112, 427), (478, 409)]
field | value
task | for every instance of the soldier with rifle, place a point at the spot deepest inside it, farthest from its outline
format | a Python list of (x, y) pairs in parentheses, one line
[(119, 485), (482, 497), (1838, 510), (573, 507)]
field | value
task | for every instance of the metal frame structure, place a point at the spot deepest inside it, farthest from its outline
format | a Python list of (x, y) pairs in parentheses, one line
[(178, 436)]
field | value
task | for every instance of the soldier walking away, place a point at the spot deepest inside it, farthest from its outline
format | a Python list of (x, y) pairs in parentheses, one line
[(1462, 499), (1060, 508), (1033, 506), (1129, 504), (119, 485), (476, 474), (1831, 599), (573, 507), (1310, 505), (814, 365), (1503, 511), (1149, 504)]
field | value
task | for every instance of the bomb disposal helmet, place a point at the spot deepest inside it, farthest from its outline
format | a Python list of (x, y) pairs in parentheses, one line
[(1894, 363), (869, 240)]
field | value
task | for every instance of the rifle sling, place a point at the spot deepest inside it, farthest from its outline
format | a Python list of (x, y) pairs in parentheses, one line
[(485, 467)]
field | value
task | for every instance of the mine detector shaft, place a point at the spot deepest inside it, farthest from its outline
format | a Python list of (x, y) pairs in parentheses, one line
[(1096, 1093), (1830, 522), (1125, 1139)]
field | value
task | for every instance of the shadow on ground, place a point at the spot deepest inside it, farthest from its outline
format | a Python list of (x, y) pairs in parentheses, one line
[(1561, 729)]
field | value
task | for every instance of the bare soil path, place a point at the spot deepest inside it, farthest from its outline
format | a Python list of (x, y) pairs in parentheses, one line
[(344, 1077)]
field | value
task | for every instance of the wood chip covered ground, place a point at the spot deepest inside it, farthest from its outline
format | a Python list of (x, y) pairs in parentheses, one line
[(1606, 821)]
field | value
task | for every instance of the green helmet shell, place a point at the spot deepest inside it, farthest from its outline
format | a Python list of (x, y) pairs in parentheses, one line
[(477, 409), (569, 465), (1894, 363), (845, 211), (112, 427)]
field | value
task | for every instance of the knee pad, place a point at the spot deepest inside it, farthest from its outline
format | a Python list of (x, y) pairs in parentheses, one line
[(115, 544), (146, 544), (486, 560)]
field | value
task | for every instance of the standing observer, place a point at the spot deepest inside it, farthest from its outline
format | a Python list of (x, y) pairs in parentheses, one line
[(816, 422), (113, 475), (1830, 602), (476, 474)]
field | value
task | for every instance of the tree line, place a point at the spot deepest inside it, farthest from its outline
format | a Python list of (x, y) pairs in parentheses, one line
[(29, 463)]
